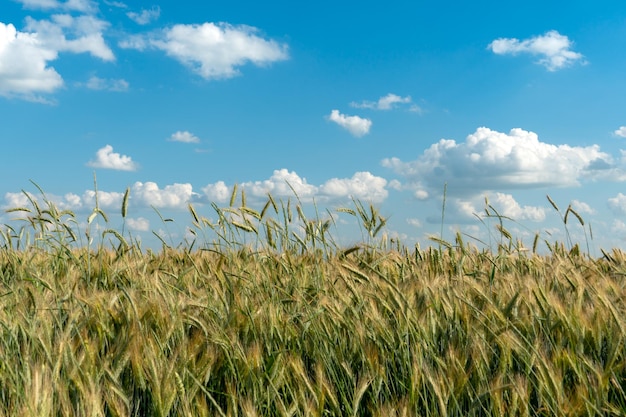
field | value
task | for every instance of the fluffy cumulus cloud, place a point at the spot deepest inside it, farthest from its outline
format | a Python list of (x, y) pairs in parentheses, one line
[(25, 56), (553, 49), (107, 159), (172, 196), (356, 125), (218, 192), (14, 200), (491, 160), (212, 50), (506, 205), (106, 199), (184, 136), (24, 59), (621, 132), (617, 204), (284, 183), (139, 224), (69, 201), (99, 84), (387, 102), (582, 207), (145, 16), (467, 209), (362, 186)]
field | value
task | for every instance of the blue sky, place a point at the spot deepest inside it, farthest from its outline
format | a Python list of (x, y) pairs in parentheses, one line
[(383, 103)]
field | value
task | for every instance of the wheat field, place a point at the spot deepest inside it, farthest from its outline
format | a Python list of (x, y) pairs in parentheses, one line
[(263, 314)]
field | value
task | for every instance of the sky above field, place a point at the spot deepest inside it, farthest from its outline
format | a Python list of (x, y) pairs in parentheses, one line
[(387, 103)]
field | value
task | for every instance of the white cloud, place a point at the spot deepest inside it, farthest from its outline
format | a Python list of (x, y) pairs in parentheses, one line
[(581, 207), (621, 132), (74, 201), (146, 16), (184, 136), (172, 196), (395, 185), (106, 158), (25, 56), (553, 48), (387, 102), (619, 228), (282, 183), (466, 209), (506, 205), (212, 50), (24, 69), (617, 204), (85, 6), (139, 224), (362, 186), (69, 201), (218, 192), (421, 194), (13, 200), (106, 199), (96, 83), (414, 222), (86, 34), (118, 4), (356, 125), (490, 160)]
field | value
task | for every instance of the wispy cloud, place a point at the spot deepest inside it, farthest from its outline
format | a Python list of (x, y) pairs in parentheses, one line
[(553, 48), (107, 159), (184, 136), (356, 125), (118, 4), (212, 50), (145, 16), (85, 6), (66, 33), (387, 102), (97, 83)]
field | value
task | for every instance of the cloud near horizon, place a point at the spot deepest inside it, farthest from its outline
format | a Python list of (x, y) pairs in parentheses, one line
[(553, 48), (282, 184), (493, 161)]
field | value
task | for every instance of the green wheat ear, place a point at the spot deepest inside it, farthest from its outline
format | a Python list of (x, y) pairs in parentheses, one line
[(125, 202)]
